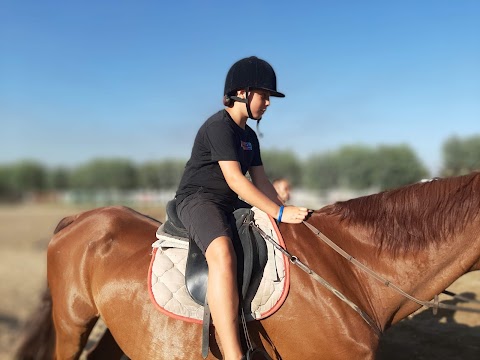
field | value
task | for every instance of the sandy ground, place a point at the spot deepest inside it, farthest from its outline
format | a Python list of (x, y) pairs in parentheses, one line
[(25, 231)]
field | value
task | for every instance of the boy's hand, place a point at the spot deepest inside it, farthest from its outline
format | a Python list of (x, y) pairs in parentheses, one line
[(294, 214)]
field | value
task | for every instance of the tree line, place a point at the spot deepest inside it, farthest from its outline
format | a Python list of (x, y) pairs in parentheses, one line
[(352, 166)]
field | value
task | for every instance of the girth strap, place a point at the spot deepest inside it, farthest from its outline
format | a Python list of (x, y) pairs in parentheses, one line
[(206, 329)]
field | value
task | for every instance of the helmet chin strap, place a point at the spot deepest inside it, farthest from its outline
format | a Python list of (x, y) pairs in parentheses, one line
[(247, 103)]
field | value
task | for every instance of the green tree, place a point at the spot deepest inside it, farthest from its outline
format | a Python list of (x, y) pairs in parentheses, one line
[(59, 178), (282, 163), (116, 174), (460, 156), (398, 166), (161, 174), (362, 167), (321, 171), (356, 166), (6, 182), (171, 172), (28, 175)]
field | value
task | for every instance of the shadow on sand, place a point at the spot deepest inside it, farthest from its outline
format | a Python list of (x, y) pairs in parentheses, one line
[(426, 336), (9, 321)]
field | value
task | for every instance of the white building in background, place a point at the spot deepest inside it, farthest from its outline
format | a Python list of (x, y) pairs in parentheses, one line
[(300, 197), (315, 199)]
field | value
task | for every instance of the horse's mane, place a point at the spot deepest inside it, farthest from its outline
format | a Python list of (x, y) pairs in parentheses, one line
[(412, 217)]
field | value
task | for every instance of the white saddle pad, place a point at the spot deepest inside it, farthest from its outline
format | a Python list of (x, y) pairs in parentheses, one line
[(167, 277)]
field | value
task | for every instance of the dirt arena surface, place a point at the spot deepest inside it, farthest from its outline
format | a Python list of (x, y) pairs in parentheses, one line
[(26, 229)]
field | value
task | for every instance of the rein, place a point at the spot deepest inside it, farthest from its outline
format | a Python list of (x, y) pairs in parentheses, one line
[(294, 260), (435, 304)]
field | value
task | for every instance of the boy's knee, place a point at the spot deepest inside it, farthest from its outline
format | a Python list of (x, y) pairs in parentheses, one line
[(220, 253)]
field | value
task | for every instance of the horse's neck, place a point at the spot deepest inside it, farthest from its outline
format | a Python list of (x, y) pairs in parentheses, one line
[(422, 274)]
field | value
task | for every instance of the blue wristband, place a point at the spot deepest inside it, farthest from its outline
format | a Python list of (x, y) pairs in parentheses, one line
[(280, 213)]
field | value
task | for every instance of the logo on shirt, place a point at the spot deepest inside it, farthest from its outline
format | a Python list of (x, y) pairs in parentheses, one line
[(246, 145)]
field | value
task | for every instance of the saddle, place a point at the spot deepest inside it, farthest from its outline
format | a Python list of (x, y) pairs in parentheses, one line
[(251, 252), (250, 249)]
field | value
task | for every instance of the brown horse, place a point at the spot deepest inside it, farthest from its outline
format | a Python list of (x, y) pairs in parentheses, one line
[(421, 237)]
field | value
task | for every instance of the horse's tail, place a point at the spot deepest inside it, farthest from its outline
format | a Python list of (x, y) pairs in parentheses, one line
[(37, 341)]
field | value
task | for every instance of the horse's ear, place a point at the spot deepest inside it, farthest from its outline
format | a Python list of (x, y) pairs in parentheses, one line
[(64, 223)]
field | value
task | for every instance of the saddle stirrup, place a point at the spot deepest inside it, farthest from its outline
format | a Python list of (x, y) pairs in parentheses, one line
[(251, 349)]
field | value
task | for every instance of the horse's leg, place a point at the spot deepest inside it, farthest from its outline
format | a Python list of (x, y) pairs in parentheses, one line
[(72, 330), (74, 313), (106, 348)]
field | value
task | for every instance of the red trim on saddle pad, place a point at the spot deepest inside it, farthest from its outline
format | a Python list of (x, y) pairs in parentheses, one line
[(286, 262), (152, 297), (267, 313)]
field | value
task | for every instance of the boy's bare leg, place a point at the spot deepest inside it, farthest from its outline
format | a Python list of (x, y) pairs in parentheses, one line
[(222, 295)]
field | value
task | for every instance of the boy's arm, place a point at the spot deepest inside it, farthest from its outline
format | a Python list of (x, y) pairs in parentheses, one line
[(246, 189), (261, 181), (250, 193)]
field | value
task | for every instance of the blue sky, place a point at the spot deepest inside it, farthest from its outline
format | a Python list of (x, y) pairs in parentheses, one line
[(135, 79)]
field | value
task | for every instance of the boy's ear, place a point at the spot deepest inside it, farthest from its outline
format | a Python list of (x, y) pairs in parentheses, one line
[(241, 94)]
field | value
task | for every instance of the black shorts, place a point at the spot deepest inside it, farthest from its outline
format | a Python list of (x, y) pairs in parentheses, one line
[(204, 220)]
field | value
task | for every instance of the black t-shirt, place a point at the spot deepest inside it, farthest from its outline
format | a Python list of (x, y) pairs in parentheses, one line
[(219, 138)]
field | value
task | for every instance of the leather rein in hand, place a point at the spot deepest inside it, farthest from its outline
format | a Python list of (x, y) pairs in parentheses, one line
[(435, 304)]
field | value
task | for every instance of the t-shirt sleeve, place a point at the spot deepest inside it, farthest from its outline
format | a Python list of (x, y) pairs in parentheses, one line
[(223, 142)]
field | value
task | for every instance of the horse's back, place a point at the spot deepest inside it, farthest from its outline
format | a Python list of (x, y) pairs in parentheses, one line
[(102, 223)]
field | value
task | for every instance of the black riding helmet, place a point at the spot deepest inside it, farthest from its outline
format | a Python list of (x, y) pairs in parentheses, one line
[(248, 74)]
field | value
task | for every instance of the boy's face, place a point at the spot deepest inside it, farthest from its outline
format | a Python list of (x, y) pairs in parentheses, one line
[(259, 101)]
